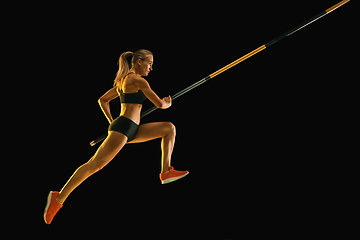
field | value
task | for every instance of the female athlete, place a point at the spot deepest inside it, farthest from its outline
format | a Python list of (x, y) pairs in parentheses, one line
[(132, 89)]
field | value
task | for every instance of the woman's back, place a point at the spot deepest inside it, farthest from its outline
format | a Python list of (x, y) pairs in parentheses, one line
[(131, 98)]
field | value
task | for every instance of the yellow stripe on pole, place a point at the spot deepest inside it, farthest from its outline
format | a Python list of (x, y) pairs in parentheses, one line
[(237, 61), (336, 6)]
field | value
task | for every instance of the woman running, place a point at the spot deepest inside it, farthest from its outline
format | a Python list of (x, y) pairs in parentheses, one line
[(132, 90)]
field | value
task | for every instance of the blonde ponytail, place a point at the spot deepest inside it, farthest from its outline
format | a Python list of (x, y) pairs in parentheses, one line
[(123, 67)]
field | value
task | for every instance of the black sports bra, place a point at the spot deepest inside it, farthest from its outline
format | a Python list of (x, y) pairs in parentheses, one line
[(137, 98)]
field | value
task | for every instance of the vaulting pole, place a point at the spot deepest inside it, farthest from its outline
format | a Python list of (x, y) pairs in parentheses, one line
[(259, 49)]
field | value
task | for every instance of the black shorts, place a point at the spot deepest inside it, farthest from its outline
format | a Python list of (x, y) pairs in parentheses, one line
[(125, 126)]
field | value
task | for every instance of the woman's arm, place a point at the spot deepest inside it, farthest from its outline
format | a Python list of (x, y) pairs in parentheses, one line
[(151, 95), (104, 102)]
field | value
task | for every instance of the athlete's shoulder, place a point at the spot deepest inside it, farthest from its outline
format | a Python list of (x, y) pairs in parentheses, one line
[(139, 81)]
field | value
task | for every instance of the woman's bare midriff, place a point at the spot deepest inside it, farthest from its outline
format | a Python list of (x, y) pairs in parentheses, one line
[(131, 111)]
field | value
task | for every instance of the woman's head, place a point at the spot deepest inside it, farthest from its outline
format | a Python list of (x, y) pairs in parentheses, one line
[(141, 63)]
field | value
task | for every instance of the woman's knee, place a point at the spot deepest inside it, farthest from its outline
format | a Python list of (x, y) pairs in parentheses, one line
[(171, 129), (96, 165)]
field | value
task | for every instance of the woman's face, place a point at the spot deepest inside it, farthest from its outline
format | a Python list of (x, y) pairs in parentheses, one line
[(146, 65)]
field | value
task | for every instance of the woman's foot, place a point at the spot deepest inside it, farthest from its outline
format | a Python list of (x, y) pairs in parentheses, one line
[(172, 175), (52, 207)]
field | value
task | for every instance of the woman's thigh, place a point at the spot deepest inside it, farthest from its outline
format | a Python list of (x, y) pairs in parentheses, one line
[(109, 149), (150, 131)]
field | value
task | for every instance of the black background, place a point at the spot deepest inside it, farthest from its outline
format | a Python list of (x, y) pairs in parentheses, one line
[(255, 138)]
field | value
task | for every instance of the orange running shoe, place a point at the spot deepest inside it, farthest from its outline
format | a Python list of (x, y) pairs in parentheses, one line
[(52, 207), (172, 175)]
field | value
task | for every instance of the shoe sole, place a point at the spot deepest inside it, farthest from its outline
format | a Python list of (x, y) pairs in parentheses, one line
[(173, 179), (47, 205)]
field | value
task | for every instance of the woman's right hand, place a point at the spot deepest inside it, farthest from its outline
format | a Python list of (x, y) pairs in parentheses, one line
[(166, 102)]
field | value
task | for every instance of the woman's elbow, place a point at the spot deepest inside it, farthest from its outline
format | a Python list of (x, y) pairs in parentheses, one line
[(101, 101)]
